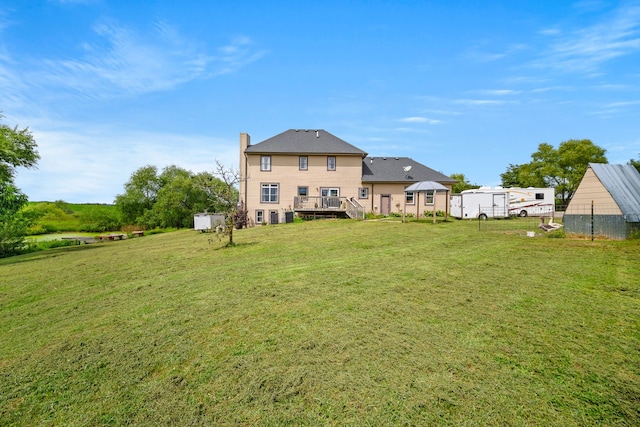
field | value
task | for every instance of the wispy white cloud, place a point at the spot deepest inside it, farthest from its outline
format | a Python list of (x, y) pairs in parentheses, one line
[(497, 92), (550, 31), (476, 102), (127, 62), (552, 89), (622, 104), (587, 49), (478, 54), (416, 119)]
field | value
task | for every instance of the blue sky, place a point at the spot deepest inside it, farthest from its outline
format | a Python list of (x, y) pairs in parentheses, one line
[(468, 87)]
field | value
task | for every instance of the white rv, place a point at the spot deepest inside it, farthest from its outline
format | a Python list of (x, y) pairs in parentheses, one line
[(532, 201), (486, 202)]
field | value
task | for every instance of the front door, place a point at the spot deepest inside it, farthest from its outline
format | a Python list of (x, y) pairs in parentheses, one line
[(385, 204), (273, 217)]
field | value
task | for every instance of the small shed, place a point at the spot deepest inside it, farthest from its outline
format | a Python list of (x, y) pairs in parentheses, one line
[(207, 221), (606, 202)]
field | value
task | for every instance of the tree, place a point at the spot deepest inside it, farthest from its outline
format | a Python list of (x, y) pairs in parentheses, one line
[(17, 149), (140, 194), (225, 196), (462, 184), (635, 164), (561, 168)]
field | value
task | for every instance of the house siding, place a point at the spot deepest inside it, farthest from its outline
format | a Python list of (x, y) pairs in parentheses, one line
[(591, 190), (286, 173), (396, 191)]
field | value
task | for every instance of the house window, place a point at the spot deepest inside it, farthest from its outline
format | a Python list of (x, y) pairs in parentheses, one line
[(363, 193), (331, 163), (259, 216), (265, 163), (428, 197), (269, 193), (303, 191), (303, 163), (409, 198)]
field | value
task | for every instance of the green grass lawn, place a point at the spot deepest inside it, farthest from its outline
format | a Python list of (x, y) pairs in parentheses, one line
[(324, 323)]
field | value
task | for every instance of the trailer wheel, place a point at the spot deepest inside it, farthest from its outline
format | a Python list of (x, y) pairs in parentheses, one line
[(482, 217), (523, 213)]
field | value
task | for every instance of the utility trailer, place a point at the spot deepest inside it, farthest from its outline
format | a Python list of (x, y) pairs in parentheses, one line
[(486, 202), (479, 205), (206, 221)]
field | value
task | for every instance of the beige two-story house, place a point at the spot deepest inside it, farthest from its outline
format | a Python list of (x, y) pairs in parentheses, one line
[(314, 173)]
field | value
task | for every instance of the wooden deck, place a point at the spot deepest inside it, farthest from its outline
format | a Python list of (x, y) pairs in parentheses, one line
[(113, 236)]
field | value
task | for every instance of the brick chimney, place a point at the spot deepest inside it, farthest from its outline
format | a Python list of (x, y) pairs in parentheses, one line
[(245, 141)]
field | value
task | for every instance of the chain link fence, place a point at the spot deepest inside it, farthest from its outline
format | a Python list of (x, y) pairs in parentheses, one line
[(578, 221)]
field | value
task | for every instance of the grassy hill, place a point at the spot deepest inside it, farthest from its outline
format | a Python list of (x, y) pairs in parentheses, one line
[(324, 323)]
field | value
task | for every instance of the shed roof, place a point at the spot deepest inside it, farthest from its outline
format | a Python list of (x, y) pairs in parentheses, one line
[(393, 169), (305, 141), (623, 183)]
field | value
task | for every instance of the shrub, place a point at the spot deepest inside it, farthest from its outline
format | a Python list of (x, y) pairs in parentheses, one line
[(439, 213)]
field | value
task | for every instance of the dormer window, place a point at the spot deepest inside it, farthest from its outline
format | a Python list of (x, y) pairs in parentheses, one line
[(265, 163)]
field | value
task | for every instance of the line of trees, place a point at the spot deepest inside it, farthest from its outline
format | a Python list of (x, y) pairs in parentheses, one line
[(169, 198)]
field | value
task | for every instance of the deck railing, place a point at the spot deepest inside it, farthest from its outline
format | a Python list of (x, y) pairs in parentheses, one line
[(350, 206), (319, 203), (354, 209)]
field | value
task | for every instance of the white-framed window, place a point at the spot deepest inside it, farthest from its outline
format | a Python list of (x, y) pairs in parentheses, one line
[(269, 193), (428, 197), (331, 163), (265, 163), (363, 192), (409, 198), (259, 216), (303, 163)]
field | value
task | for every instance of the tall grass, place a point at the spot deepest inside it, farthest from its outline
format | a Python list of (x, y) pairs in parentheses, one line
[(323, 323), (55, 217)]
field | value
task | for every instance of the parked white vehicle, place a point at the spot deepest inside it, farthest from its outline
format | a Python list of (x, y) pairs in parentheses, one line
[(482, 205), (206, 221), (487, 202)]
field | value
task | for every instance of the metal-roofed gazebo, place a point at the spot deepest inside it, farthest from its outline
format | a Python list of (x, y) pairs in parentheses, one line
[(423, 187)]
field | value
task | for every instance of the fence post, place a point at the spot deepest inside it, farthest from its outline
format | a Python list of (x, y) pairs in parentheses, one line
[(592, 232)]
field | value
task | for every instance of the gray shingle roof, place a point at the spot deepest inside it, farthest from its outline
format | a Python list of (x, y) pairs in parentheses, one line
[(623, 183), (392, 169), (300, 141)]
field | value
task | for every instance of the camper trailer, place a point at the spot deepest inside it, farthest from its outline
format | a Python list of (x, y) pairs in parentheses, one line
[(531, 201), (486, 202)]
